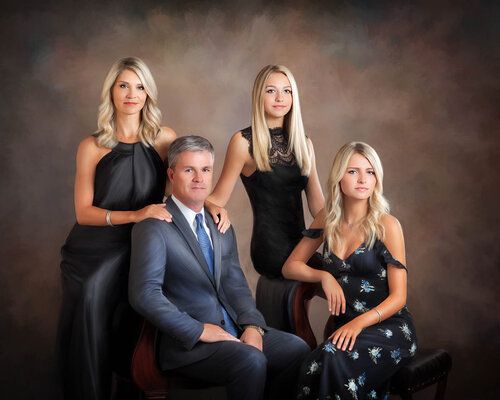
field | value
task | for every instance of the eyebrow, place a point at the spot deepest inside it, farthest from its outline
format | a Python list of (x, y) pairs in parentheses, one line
[(288, 86), (128, 83), (359, 168)]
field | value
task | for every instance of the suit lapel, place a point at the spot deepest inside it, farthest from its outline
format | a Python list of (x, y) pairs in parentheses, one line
[(214, 233), (181, 223)]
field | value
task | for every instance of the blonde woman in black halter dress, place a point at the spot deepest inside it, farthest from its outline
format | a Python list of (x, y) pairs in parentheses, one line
[(120, 179)]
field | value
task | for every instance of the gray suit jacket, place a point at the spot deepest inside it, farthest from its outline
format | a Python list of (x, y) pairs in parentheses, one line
[(171, 286)]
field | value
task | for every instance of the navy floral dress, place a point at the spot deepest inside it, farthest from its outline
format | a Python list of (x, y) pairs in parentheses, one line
[(380, 349)]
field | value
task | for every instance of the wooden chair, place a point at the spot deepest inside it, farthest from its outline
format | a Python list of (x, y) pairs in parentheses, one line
[(284, 304), (153, 383)]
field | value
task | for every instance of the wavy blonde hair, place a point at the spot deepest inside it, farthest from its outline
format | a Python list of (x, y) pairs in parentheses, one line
[(261, 140), (377, 204), (150, 113)]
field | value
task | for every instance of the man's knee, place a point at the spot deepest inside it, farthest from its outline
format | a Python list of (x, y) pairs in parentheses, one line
[(254, 362), (299, 348)]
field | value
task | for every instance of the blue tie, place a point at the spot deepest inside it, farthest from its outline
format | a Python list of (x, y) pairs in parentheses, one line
[(204, 241), (208, 253)]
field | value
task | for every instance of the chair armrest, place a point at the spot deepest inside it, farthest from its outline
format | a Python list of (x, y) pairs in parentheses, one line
[(303, 293), (145, 372)]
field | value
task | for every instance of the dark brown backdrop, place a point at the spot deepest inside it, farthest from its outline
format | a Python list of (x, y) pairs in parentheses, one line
[(419, 83)]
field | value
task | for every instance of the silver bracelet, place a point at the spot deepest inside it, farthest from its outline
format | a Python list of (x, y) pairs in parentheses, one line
[(379, 315), (108, 218)]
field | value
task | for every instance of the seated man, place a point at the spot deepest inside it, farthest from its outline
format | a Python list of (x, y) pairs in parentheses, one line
[(186, 279)]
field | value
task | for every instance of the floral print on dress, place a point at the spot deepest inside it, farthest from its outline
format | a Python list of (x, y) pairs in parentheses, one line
[(396, 355), (406, 331), (386, 332), (345, 266), (362, 379), (360, 306), (372, 394), (366, 287), (352, 388), (329, 347), (360, 250), (374, 353), (314, 368), (413, 349)]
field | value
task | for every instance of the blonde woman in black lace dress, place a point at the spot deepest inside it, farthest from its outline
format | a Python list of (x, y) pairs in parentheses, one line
[(275, 161)]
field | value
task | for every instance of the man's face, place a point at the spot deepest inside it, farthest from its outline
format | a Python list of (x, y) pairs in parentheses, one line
[(191, 178)]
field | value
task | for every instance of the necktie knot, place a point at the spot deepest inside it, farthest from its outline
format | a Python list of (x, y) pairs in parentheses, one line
[(199, 220)]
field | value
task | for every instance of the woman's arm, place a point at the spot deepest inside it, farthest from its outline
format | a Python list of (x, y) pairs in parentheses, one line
[(296, 268), (237, 158), (314, 194), (87, 157), (396, 277)]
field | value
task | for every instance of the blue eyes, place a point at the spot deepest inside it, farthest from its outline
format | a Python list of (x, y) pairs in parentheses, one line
[(192, 170), (125, 86), (353, 171), (271, 91)]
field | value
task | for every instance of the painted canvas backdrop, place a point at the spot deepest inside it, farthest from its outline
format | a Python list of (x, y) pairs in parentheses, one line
[(418, 82)]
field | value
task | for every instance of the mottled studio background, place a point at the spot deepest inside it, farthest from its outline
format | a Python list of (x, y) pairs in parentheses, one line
[(418, 82)]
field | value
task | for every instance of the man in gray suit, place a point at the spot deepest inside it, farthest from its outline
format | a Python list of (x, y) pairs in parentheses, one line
[(186, 279)]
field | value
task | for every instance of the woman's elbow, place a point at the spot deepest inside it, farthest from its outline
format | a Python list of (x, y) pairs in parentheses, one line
[(285, 270), (400, 301), (80, 219)]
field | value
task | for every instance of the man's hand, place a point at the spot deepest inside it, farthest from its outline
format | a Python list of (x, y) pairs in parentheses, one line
[(252, 337), (214, 333)]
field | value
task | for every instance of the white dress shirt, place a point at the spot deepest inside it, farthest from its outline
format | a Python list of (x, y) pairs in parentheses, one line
[(190, 216)]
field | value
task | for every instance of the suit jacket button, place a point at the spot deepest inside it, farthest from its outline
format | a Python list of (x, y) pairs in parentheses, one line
[(222, 322)]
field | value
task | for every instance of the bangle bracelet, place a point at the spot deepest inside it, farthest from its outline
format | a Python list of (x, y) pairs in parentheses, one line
[(378, 313), (108, 218)]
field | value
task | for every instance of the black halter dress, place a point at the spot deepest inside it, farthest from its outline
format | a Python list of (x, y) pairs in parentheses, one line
[(94, 266)]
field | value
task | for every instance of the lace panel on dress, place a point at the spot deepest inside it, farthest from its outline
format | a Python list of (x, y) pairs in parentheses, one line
[(279, 153)]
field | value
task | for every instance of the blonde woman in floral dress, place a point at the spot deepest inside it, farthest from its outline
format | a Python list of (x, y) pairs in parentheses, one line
[(364, 279)]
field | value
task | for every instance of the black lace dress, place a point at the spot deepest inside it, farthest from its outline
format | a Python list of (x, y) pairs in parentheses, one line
[(94, 266), (278, 222), (276, 199), (380, 349)]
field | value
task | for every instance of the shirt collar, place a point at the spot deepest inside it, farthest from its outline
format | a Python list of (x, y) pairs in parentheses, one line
[(189, 214)]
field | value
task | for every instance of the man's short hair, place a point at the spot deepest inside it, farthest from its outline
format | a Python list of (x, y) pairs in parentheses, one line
[(188, 143)]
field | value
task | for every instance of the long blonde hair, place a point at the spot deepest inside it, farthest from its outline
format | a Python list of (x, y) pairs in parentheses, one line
[(150, 113), (377, 204), (261, 141)]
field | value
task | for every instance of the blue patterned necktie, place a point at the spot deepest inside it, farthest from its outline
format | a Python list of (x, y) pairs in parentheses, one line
[(208, 253), (204, 241)]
